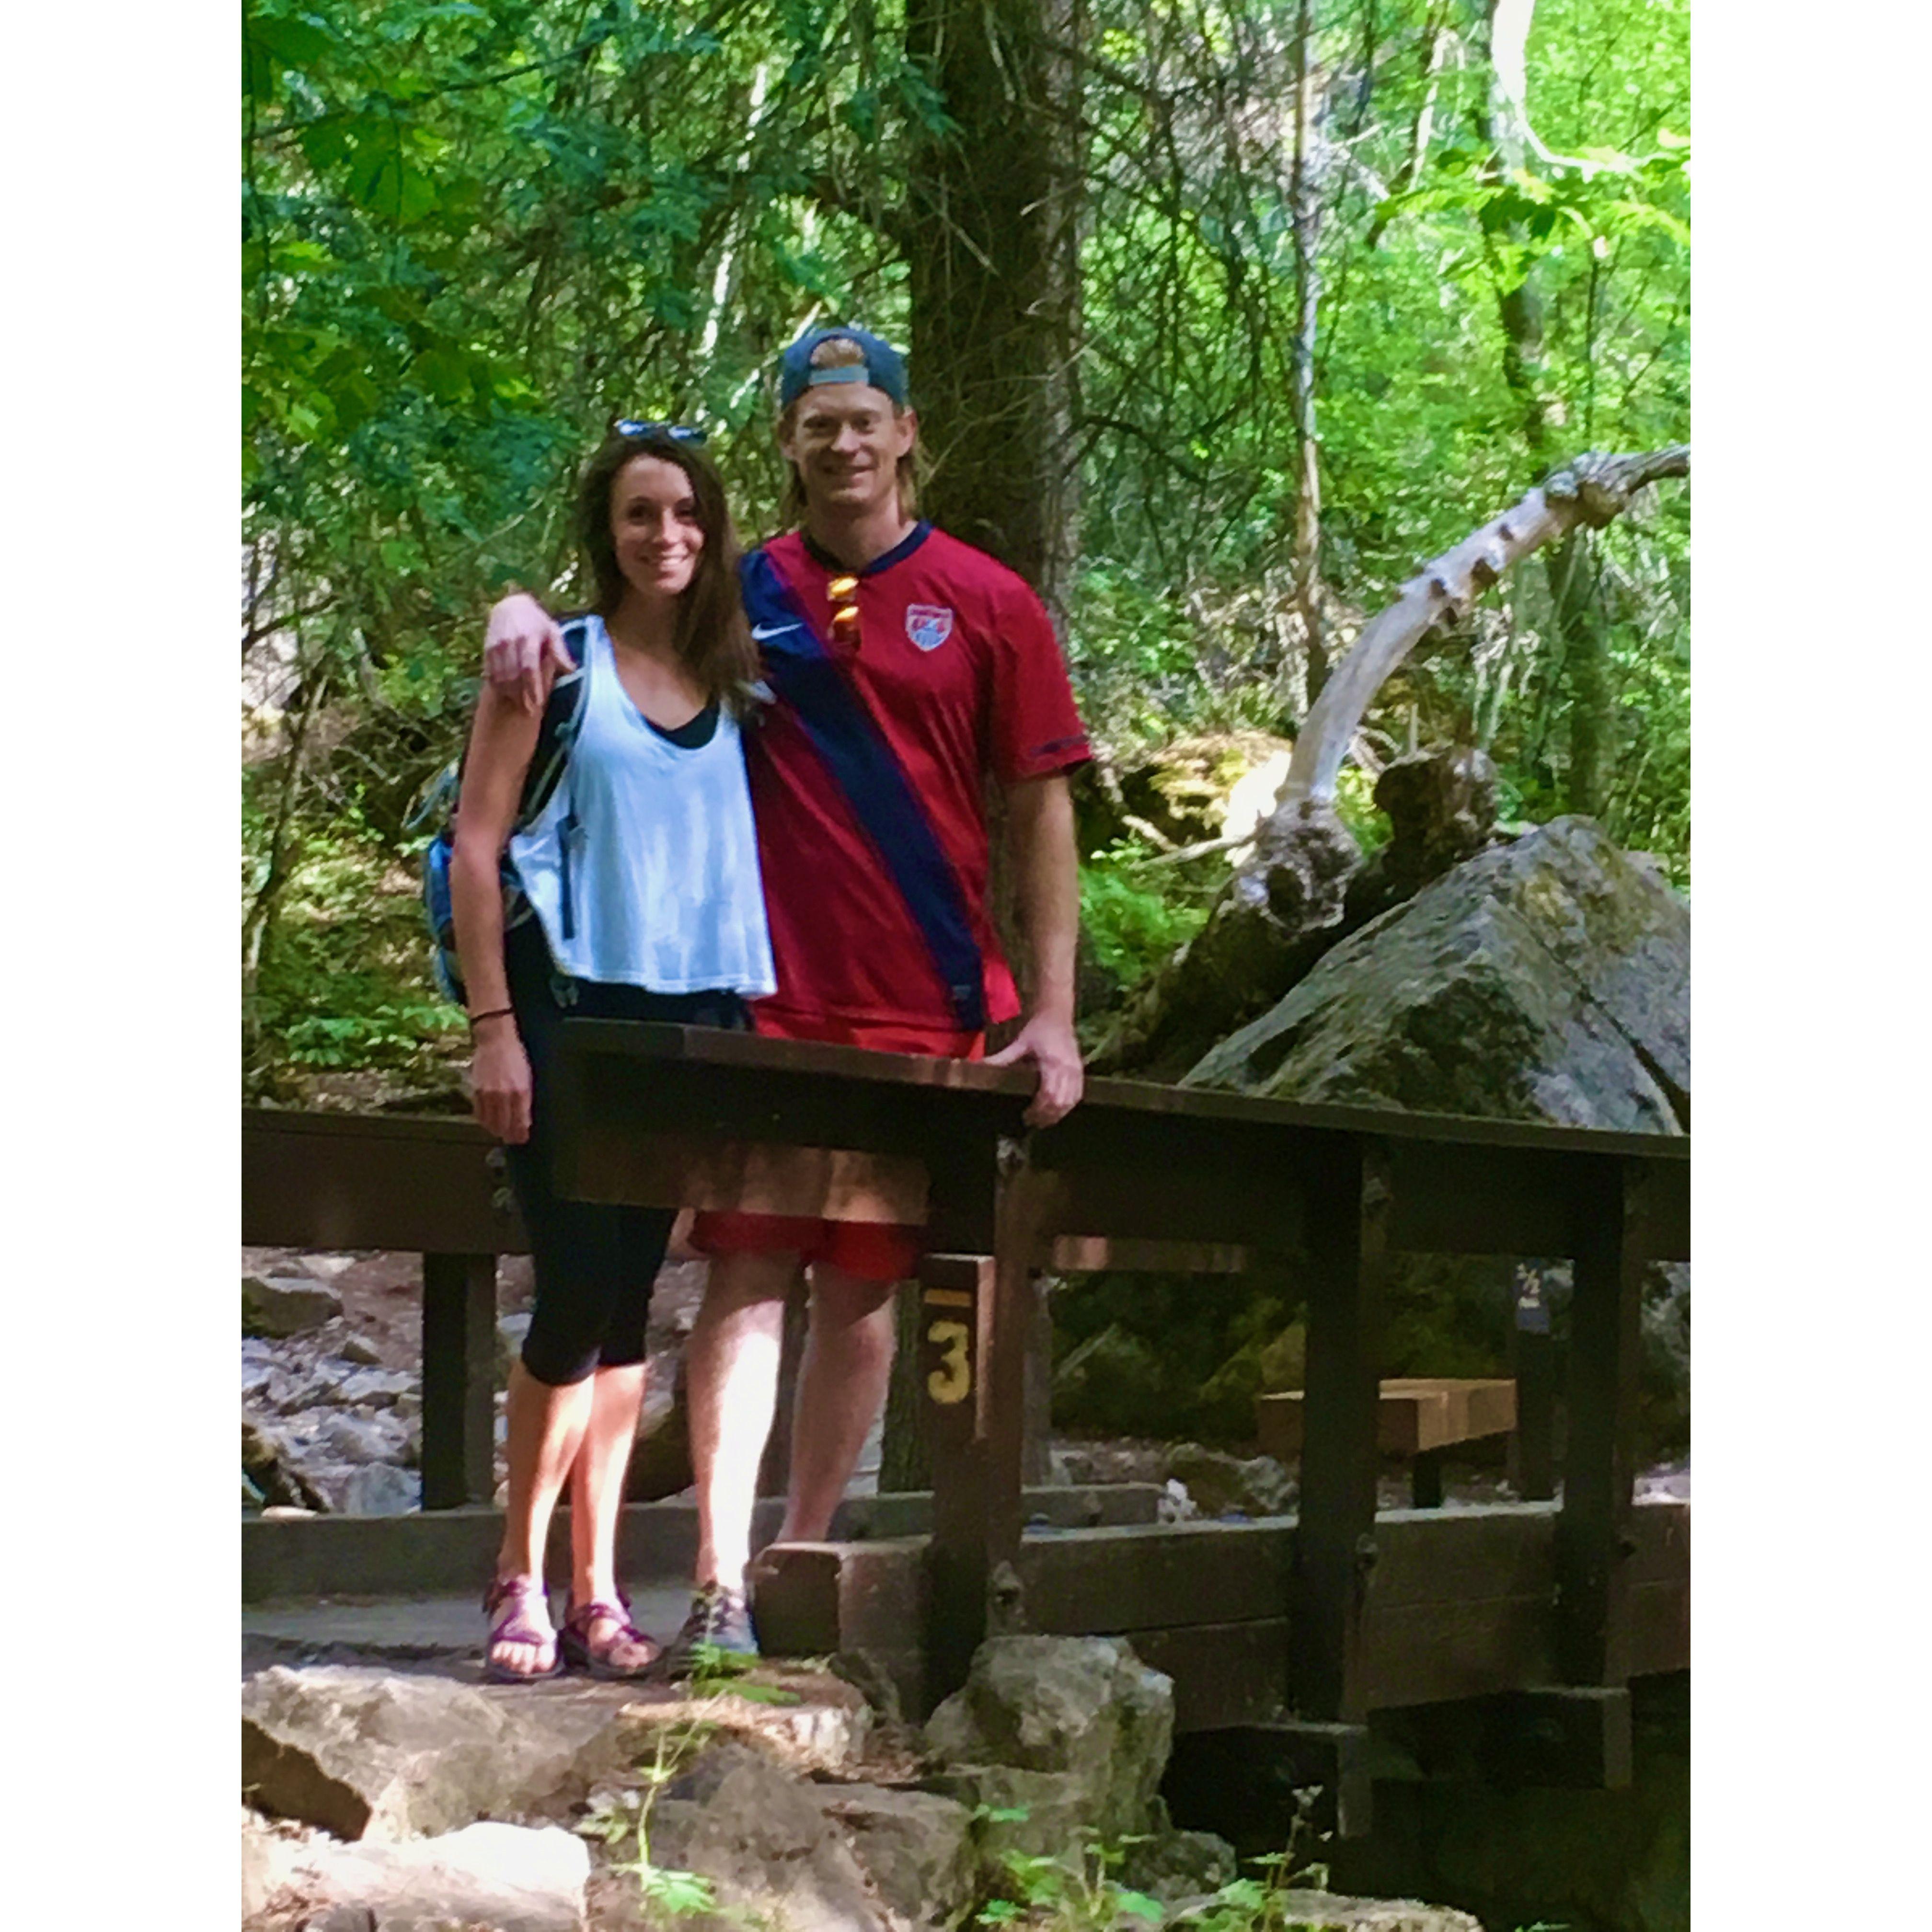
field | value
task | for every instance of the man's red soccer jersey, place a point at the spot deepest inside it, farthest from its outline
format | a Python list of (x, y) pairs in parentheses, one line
[(957, 668)]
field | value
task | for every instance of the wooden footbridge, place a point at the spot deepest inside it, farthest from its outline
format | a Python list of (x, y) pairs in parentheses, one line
[(1283, 1635)]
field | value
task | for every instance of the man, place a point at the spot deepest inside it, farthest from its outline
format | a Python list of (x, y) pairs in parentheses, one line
[(905, 666)]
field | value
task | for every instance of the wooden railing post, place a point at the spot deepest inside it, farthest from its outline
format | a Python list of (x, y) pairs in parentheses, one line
[(1349, 1205), (956, 1301), (459, 1379), (976, 1327), (1593, 1539)]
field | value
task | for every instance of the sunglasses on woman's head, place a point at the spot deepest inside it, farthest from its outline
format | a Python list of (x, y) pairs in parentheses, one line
[(677, 432)]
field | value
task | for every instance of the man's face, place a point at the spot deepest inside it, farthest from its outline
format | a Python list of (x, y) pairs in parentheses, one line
[(845, 440)]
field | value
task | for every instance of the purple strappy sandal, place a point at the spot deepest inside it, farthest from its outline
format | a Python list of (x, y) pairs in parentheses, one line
[(513, 1596), (573, 1640)]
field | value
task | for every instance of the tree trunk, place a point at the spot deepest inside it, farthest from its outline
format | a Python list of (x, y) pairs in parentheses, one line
[(1585, 645), (1305, 214), (992, 253)]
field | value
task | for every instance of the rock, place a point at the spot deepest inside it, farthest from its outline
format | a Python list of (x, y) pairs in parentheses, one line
[(1545, 980), (916, 1846), (1218, 1483), (1175, 1504), (1214, 786), (364, 1754), (1076, 1729), (346, 1437), (1173, 1866), (278, 1305), (506, 1877), (766, 1844), (359, 1349), (269, 1467), (1325, 1912), (825, 1732), (376, 1489), (374, 1389)]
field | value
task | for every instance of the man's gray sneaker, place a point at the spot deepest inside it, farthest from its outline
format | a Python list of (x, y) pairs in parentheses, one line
[(719, 1629)]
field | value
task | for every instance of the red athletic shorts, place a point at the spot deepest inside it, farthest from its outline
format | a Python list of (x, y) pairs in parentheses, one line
[(872, 1250)]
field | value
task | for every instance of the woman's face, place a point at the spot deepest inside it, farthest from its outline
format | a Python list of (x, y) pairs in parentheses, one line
[(655, 527)]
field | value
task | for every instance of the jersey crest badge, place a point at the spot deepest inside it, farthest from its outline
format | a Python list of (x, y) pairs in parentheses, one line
[(929, 624)]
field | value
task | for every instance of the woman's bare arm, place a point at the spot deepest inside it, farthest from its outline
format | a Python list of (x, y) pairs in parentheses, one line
[(502, 741)]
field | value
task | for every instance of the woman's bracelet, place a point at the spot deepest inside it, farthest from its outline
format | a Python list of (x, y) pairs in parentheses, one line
[(494, 1013)]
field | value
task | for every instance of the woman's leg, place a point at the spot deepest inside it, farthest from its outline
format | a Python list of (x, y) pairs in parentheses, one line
[(551, 1393), (547, 1426), (597, 1481)]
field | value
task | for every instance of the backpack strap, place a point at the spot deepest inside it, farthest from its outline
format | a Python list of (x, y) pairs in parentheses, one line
[(563, 715)]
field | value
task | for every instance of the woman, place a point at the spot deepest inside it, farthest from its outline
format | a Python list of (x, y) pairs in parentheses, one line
[(642, 872)]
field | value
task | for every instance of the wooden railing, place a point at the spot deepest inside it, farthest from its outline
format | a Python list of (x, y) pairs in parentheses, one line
[(1138, 1176)]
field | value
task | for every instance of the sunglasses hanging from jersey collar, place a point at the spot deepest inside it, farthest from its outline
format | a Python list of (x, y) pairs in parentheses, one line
[(843, 590)]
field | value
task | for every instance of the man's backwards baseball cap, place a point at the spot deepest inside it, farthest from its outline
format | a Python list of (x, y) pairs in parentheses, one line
[(883, 368)]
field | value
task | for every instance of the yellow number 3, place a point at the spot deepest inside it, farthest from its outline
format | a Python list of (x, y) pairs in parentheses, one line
[(952, 1380)]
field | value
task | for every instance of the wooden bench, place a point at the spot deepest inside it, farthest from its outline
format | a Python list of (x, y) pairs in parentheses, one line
[(1421, 1418)]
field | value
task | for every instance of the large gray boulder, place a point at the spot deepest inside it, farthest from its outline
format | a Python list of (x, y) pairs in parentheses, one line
[(1073, 1731), (1547, 979), (365, 1754)]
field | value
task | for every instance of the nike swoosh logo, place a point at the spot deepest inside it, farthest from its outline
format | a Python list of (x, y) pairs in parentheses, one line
[(762, 633)]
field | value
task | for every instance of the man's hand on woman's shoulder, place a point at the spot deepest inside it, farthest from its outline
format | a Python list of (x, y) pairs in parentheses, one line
[(524, 650)]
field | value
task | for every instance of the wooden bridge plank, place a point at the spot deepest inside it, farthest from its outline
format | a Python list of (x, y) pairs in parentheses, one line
[(1117, 1583), (1431, 1653), (1425, 1557), (1225, 1674)]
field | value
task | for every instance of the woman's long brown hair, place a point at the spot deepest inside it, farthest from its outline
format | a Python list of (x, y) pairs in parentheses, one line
[(713, 639)]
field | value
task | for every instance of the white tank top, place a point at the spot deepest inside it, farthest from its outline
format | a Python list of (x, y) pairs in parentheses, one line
[(643, 868)]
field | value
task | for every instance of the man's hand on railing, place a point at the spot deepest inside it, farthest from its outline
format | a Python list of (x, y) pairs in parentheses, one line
[(1048, 1041)]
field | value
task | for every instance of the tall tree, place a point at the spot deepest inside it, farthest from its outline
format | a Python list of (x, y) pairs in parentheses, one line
[(991, 243)]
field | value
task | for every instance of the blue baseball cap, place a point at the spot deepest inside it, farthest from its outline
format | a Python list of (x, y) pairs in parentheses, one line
[(883, 368)]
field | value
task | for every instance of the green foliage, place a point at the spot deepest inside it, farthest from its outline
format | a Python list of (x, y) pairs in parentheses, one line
[(471, 235), (1130, 923), (1083, 1894)]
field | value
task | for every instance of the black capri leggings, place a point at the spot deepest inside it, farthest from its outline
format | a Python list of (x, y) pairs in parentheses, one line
[(594, 1264)]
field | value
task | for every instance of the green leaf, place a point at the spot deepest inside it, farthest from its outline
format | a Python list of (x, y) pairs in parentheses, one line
[(1140, 1905)]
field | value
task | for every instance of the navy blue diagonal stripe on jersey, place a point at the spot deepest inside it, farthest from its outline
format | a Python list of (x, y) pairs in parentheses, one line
[(800, 667)]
